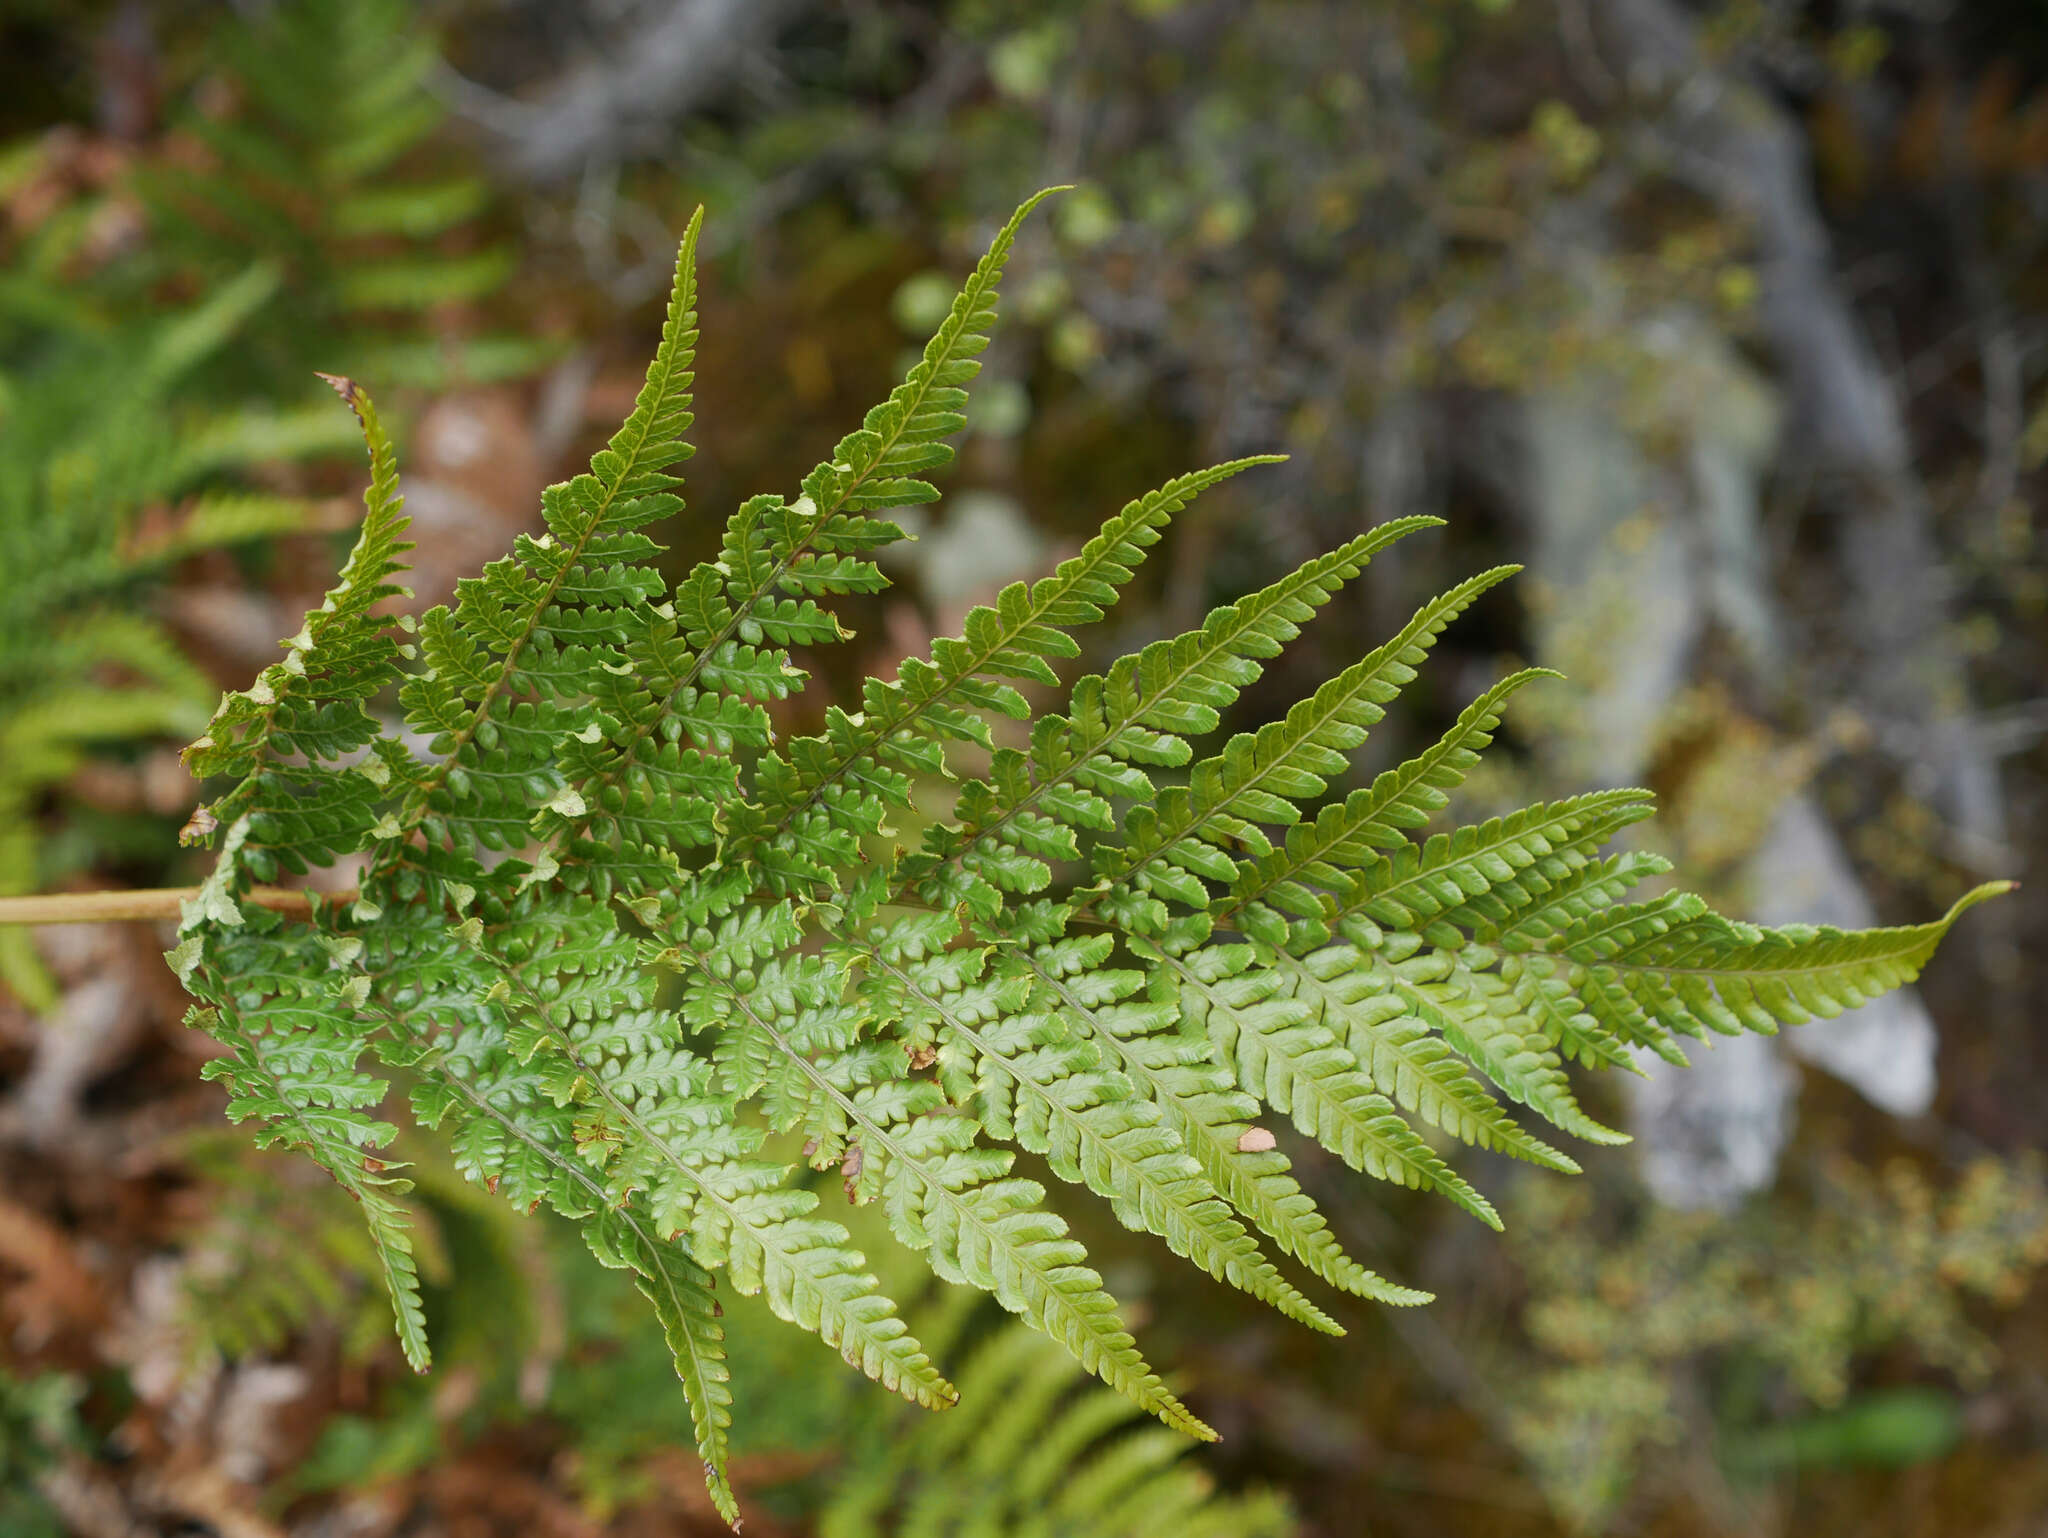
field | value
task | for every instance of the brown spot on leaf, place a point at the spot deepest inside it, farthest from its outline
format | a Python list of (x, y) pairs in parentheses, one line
[(850, 1167), (1256, 1140), (346, 388), (923, 1057), (199, 827)]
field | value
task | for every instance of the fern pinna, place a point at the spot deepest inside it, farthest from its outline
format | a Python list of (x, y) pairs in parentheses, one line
[(631, 952)]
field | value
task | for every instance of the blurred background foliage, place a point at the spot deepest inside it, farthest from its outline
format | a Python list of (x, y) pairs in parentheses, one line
[(1725, 317)]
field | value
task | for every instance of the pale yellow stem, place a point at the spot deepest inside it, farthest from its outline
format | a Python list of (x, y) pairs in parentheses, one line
[(151, 903)]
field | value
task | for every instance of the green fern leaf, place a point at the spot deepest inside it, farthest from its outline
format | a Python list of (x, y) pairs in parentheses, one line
[(1093, 1130), (1686, 967), (1299, 1067), (953, 1199), (312, 705), (933, 702), (548, 625), (815, 545), (1214, 1120), (1121, 723), (875, 467), (1478, 875), (916, 1018), (680, 1292), (1399, 1038), (291, 1064), (737, 1210), (312, 168), (1263, 777), (1351, 833), (507, 1139), (293, 1050)]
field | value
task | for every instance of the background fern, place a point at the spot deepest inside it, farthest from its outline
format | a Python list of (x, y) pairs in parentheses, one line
[(602, 800), (308, 152), (1030, 1451), (39, 1423), (108, 477), (1033, 1449)]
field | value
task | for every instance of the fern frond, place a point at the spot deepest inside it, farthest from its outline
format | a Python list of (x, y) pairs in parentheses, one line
[(507, 1137), (700, 666), (651, 1119), (1400, 1039), (917, 1018), (1484, 871), (1214, 1120), (680, 1292), (1095, 1127), (313, 705), (980, 1227), (1483, 1020), (1029, 1452), (316, 168), (876, 467), (293, 1047)]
